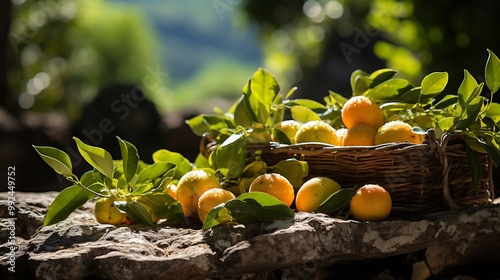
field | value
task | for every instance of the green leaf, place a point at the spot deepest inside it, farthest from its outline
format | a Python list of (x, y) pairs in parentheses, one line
[(381, 76), (164, 206), (395, 106), (130, 159), (254, 169), (87, 178), (354, 77), (311, 104), (335, 99), (264, 87), (230, 156), (216, 216), (243, 115), (202, 124), (434, 83), (303, 114), (262, 198), (492, 151), (466, 88), (154, 171), (336, 201), (361, 85), (290, 92), (492, 72), (183, 164), (390, 90), (56, 159), (446, 124), (138, 213), (412, 96), (474, 164), (471, 114), (248, 208), (67, 201), (201, 161), (166, 179), (294, 170), (260, 93), (263, 207), (494, 112), (446, 101), (280, 136), (99, 158)]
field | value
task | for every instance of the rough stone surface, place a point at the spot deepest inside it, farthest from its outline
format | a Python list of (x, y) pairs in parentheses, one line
[(310, 246)]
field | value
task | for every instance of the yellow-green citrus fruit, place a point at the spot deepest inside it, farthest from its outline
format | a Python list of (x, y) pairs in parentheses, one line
[(105, 211), (191, 186), (397, 131), (289, 128), (316, 131), (314, 192), (210, 199)]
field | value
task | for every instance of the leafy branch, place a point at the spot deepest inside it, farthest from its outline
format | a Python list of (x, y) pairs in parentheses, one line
[(140, 186)]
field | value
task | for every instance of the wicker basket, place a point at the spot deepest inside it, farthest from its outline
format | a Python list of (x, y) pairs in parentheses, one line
[(421, 178)]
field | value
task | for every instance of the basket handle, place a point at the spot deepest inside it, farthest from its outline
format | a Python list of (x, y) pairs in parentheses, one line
[(207, 144), (446, 170)]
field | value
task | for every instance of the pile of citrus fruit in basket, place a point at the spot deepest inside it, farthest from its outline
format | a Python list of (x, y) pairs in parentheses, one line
[(224, 185)]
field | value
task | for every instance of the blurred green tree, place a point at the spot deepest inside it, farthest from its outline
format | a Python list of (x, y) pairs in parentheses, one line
[(318, 43), (63, 51)]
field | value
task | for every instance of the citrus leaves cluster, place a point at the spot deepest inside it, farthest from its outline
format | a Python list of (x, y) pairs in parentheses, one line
[(469, 111), (139, 184), (141, 190), (138, 188)]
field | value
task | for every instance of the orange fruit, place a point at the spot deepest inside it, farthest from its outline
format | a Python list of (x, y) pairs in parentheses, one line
[(105, 211), (360, 110), (275, 185), (397, 131), (191, 186), (371, 203), (210, 199), (360, 135), (316, 131), (313, 192)]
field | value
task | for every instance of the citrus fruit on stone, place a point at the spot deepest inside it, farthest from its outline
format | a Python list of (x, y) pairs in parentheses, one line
[(275, 185), (316, 131), (371, 203), (210, 199), (289, 128), (360, 135), (191, 186), (360, 110), (397, 131), (106, 212), (314, 192)]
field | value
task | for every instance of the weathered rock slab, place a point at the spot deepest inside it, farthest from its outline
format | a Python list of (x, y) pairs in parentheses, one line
[(310, 246)]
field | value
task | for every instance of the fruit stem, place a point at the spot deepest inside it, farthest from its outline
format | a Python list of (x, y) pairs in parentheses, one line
[(77, 182)]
